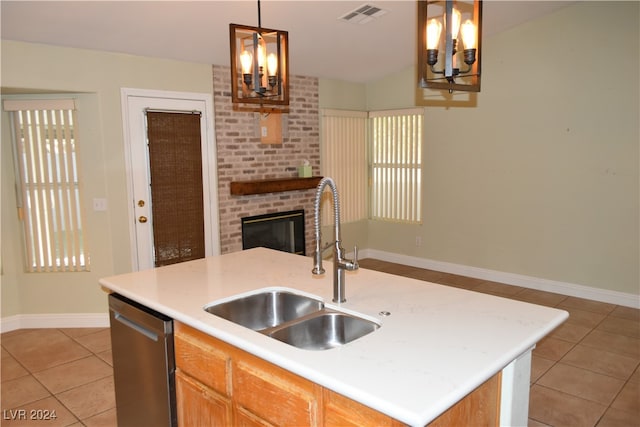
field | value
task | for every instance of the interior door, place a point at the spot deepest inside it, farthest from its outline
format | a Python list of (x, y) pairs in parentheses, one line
[(148, 228)]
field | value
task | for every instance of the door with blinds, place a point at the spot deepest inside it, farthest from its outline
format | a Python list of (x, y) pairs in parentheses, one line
[(172, 180), (175, 165)]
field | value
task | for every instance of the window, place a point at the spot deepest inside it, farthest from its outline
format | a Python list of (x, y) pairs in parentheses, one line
[(396, 165), (49, 204), (344, 154)]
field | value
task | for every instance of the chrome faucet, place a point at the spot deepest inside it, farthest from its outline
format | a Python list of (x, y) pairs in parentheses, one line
[(340, 264)]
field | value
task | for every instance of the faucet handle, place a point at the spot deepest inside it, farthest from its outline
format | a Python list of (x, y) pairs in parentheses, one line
[(351, 265), (355, 257)]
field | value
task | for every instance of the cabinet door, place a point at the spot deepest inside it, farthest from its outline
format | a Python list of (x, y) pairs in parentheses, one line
[(198, 405), (273, 394), (202, 357)]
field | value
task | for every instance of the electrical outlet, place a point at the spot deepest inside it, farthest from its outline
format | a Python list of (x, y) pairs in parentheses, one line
[(418, 241)]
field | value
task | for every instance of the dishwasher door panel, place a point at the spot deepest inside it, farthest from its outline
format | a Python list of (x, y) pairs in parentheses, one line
[(143, 364)]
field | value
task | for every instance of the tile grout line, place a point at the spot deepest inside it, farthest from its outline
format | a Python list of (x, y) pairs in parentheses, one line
[(94, 354), (51, 394)]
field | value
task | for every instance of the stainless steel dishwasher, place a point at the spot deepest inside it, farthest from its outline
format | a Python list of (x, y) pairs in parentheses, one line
[(143, 364)]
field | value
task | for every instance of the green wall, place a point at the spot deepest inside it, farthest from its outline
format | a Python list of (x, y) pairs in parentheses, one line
[(541, 176), (95, 79)]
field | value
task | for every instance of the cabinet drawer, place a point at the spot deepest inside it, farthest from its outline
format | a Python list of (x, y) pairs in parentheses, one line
[(274, 394), (196, 356)]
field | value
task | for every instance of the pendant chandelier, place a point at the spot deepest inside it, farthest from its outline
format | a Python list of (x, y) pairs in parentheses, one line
[(259, 67), (449, 36)]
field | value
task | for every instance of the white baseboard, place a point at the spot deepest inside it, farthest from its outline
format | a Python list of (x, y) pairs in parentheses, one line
[(564, 288), (57, 320)]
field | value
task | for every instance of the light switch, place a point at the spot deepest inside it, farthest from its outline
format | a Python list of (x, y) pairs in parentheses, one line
[(99, 205)]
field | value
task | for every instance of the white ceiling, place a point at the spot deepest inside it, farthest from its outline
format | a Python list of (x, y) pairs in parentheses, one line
[(198, 31)]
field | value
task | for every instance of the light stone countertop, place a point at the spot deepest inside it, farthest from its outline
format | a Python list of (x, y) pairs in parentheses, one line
[(438, 344)]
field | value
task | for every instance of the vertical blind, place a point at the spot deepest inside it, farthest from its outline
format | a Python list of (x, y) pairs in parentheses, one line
[(344, 153), (396, 165), (49, 205)]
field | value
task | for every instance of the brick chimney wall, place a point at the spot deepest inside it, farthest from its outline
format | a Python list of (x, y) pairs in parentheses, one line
[(242, 157)]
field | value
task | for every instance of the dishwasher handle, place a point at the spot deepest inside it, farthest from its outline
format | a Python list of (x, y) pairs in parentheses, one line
[(135, 326)]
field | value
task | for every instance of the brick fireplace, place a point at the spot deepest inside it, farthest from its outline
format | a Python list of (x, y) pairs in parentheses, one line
[(241, 157)]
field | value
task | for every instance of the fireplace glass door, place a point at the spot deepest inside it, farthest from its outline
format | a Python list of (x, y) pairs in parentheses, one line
[(283, 231)]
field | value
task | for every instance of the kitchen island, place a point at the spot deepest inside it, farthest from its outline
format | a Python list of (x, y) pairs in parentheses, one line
[(435, 345)]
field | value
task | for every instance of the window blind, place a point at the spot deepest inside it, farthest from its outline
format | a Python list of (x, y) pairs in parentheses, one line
[(49, 205), (344, 153), (396, 165)]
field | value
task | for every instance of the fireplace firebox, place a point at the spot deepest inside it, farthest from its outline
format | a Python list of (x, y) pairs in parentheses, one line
[(283, 231)]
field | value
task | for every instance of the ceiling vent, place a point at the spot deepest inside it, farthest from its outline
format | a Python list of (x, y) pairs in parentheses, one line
[(362, 15)]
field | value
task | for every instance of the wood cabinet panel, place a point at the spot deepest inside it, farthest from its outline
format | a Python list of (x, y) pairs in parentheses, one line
[(479, 408), (344, 412), (275, 394), (198, 405), (196, 356)]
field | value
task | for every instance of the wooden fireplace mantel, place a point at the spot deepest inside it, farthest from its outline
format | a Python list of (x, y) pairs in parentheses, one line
[(276, 185)]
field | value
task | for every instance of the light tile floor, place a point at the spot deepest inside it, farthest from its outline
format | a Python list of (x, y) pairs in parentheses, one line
[(63, 372), (586, 373)]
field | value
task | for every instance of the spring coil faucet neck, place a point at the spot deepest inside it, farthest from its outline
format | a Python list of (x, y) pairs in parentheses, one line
[(340, 264)]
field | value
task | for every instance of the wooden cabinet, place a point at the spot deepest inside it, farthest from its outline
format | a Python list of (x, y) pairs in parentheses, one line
[(228, 386), (220, 385)]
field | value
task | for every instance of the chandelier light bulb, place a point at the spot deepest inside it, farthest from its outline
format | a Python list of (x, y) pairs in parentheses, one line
[(245, 61), (260, 56), (456, 17), (468, 34), (272, 65), (434, 28)]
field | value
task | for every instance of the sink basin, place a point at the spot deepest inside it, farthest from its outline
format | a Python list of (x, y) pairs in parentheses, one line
[(266, 309), (297, 320), (327, 329)]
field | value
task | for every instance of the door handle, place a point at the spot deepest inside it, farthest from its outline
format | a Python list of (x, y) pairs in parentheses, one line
[(142, 219)]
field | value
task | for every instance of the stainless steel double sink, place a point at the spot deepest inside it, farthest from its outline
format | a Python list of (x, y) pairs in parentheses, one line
[(295, 319)]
